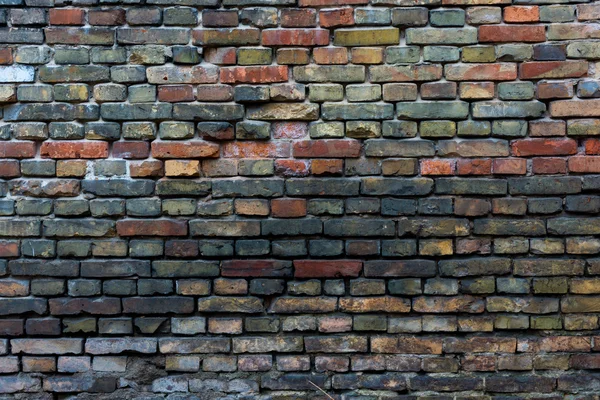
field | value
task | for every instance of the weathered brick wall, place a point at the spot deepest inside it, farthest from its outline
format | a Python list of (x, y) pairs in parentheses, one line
[(246, 199)]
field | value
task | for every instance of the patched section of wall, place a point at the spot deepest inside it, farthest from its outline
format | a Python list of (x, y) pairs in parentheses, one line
[(299, 199)]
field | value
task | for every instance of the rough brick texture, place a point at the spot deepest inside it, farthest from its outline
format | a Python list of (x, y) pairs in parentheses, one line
[(299, 199)]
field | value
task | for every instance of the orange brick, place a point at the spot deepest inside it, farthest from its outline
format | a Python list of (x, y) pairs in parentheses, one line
[(544, 147), (592, 146), (327, 167), (336, 17), (292, 167), (521, 14), (175, 93), (512, 33), (367, 55), (510, 166), (474, 167), (584, 164), (288, 208), (330, 55), (66, 16), (437, 167)]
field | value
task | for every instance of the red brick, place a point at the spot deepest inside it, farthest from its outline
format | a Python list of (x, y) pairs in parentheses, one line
[(265, 74), (256, 150), (157, 227), (544, 147), (474, 167), (17, 149), (143, 169), (66, 16), (327, 167), (327, 268), (289, 130), (554, 90), (325, 148), (112, 17), (437, 167), (295, 37), (288, 208), (9, 169), (584, 164), (175, 93), (9, 248), (510, 166), (188, 149), (473, 246), (481, 72), (181, 248), (289, 168), (224, 18), (214, 93), (255, 268), (512, 33), (521, 14), (592, 146), (6, 56), (553, 69), (298, 18), (74, 150), (478, 363), (225, 133), (339, 323), (336, 17), (11, 327), (330, 55), (550, 165), (131, 150)]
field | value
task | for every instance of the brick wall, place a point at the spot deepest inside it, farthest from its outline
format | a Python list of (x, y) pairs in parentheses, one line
[(250, 199)]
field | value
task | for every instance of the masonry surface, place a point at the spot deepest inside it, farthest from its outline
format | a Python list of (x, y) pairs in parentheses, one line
[(299, 199)]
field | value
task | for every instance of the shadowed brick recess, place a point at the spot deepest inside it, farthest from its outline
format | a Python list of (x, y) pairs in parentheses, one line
[(299, 199)]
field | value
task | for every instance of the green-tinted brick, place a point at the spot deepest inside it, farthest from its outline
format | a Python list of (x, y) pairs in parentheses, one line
[(254, 56), (478, 54), (452, 17), (437, 129), (441, 53), (474, 128), (366, 37)]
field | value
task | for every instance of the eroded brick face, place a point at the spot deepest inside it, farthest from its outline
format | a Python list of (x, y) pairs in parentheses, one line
[(299, 199)]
